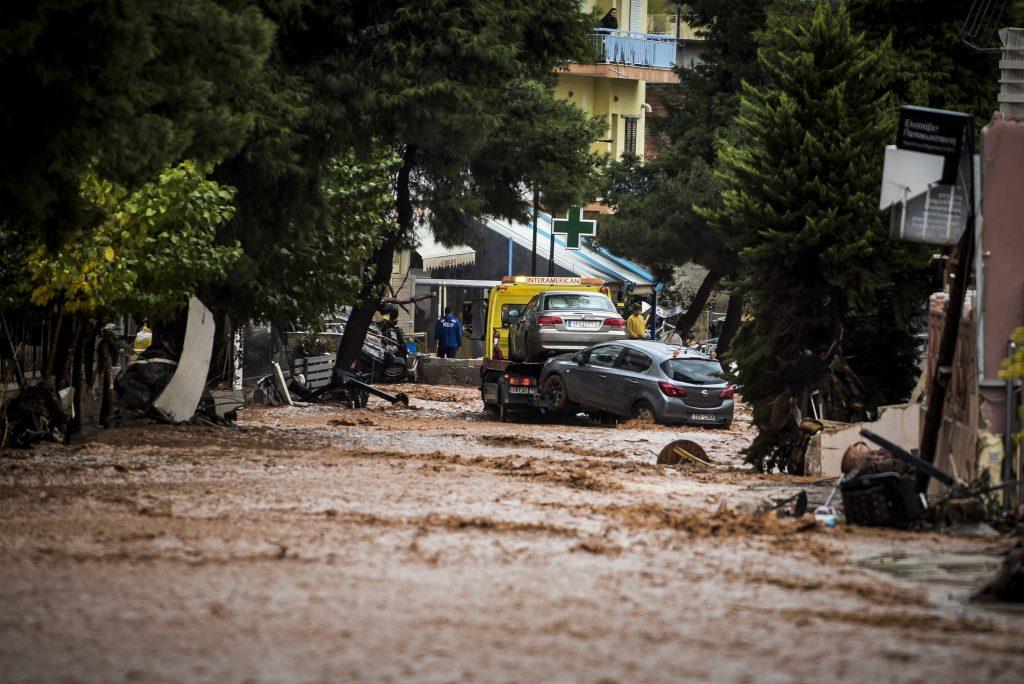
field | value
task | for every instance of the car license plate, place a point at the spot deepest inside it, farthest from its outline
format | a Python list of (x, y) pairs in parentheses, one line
[(706, 417), (520, 390), (583, 325)]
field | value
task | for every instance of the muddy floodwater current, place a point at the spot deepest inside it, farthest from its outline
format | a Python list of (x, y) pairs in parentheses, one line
[(319, 544)]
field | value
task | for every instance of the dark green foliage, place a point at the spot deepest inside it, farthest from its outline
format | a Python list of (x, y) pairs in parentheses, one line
[(934, 66), (433, 85), (124, 89), (655, 222), (542, 143), (347, 75), (801, 184)]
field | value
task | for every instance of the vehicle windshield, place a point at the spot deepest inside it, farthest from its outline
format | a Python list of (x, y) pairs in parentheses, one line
[(583, 301), (694, 371)]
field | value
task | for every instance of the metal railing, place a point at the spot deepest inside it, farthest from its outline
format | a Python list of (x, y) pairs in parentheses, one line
[(633, 48)]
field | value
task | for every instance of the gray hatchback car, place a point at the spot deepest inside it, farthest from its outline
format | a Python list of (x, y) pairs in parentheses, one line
[(672, 384)]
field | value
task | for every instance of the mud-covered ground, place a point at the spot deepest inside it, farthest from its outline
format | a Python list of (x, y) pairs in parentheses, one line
[(315, 543)]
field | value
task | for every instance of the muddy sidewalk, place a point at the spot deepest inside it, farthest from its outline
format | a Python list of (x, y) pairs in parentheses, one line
[(314, 543)]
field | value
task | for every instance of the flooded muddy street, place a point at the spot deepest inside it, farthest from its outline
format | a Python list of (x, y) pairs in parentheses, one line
[(316, 543)]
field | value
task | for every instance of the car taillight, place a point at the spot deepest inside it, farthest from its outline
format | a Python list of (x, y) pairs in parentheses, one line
[(496, 343), (670, 390), (549, 320), (615, 323), (728, 393), (520, 382)]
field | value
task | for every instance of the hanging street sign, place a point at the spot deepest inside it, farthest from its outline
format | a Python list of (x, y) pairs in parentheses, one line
[(935, 131), (928, 177), (574, 226)]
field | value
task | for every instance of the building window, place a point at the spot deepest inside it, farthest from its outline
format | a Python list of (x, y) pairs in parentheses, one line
[(630, 137)]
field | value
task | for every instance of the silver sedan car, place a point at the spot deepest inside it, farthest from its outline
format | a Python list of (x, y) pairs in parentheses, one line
[(671, 384), (557, 322)]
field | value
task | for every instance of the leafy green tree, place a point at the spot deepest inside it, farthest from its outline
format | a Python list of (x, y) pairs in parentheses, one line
[(800, 202), (123, 89), (323, 266), (433, 82), (542, 144), (149, 250)]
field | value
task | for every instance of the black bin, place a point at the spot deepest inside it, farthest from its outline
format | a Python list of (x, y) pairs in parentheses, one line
[(881, 500)]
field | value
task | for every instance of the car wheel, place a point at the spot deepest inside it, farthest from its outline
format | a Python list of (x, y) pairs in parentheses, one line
[(555, 391), (642, 410)]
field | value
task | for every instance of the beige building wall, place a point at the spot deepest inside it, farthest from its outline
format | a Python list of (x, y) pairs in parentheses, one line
[(612, 99)]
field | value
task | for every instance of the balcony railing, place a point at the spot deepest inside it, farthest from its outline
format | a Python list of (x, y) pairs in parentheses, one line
[(635, 49)]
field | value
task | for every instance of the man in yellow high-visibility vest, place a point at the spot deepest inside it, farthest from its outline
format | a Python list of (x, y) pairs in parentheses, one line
[(636, 326)]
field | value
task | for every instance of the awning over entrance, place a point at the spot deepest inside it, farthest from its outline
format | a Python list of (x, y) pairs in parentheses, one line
[(435, 255), (590, 261)]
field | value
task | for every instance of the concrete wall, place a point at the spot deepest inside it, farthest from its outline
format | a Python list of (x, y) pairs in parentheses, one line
[(435, 371), (900, 424)]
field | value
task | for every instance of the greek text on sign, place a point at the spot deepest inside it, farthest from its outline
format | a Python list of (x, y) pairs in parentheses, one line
[(938, 132), (573, 227)]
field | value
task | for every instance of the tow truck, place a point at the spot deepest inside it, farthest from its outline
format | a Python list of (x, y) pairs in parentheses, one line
[(507, 385)]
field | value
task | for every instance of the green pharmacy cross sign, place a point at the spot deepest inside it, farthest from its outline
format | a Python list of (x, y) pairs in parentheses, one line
[(574, 226)]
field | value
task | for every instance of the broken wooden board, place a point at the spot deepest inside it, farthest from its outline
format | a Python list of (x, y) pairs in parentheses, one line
[(180, 398)]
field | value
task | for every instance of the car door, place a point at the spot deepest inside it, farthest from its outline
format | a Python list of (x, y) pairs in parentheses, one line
[(625, 381), (588, 384)]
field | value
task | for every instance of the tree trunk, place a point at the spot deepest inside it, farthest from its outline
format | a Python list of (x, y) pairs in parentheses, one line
[(733, 316), (379, 273), (700, 300), (82, 326)]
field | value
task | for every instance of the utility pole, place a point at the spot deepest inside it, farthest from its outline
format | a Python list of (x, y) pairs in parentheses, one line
[(533, 253), (551, 250)]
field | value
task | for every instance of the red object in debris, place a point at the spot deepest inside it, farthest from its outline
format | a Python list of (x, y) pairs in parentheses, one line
[(615, 323), (549, 320), (728, 392), (670, 390), (496, 343)]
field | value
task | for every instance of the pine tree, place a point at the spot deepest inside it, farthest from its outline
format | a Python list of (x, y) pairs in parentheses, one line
[(800, 204)]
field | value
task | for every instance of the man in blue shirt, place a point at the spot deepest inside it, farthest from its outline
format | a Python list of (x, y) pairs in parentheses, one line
[(448, 334)]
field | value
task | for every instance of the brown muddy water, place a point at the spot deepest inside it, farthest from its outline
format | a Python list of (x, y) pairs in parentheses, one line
[(318, 544)]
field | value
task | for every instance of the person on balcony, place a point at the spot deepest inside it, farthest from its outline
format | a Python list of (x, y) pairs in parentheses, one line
[(610, 20)]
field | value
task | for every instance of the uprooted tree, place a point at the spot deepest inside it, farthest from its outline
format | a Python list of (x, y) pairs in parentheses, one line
[(824, 282)]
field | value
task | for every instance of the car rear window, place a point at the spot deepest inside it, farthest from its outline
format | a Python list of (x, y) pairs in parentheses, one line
[(694, 371), (582, 301)]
